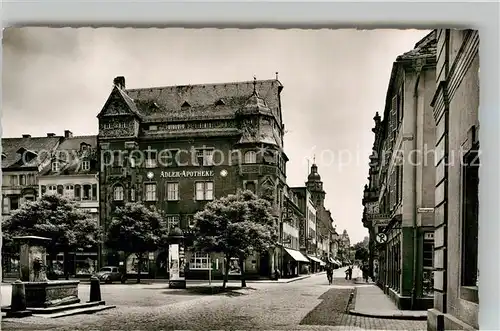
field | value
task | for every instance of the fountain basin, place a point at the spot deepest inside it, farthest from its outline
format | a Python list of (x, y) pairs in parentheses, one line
[(51, 293)]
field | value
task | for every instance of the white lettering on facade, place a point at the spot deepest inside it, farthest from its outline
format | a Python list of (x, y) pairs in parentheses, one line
[(187, 173)]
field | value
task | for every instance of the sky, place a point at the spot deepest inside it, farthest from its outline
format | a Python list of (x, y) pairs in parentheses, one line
[(334, 82)]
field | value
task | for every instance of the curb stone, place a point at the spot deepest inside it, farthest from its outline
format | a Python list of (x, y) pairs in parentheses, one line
[(395, 316)]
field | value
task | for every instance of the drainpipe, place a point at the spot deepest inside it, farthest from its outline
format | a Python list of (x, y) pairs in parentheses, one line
[(418, 71)]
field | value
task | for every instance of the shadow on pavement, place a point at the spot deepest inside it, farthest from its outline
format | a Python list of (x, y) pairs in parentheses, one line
[(210, 290), (331, 310)]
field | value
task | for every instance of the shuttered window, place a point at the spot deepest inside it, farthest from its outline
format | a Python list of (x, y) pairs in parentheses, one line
[(394, 118)]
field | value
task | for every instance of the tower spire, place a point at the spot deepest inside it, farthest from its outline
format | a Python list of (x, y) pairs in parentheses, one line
[(314, 159), (254, 84)]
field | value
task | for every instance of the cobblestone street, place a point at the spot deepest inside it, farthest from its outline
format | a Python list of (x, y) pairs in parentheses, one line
[(309, 304)]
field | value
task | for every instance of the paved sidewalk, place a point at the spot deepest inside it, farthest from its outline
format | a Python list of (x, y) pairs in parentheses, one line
[(372, 302)]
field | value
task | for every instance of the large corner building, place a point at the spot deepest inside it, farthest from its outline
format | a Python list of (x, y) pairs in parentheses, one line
[(179, 147)]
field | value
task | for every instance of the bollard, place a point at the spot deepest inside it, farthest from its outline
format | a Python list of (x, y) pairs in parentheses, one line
[(18, 299), (95, 289)]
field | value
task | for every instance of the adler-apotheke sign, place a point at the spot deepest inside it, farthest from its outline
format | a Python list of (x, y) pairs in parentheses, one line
[(187, 173)]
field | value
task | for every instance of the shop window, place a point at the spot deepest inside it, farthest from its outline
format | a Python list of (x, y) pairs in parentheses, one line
[(150, 189), (172, 191), (204, 191), (470, 210), (118, 193), (200, 261)]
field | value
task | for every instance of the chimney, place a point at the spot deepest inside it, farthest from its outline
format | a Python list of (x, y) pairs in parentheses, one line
[(51, 134), (26, 136), (68, 134), (119, 82)]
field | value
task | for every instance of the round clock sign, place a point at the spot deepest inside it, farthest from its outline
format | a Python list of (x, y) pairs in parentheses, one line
[(223, 172), (150, 175)]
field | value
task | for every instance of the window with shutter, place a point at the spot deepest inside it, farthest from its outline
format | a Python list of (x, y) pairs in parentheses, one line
[(394, 116)]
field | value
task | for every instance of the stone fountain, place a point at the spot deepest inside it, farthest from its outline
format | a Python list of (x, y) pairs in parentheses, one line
[(33, 293), (41, 292)]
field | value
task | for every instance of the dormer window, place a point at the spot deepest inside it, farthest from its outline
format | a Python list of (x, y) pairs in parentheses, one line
[(220, 102), (84, 147), (107, 126), (56, 166), (86, 165), (185, 105)]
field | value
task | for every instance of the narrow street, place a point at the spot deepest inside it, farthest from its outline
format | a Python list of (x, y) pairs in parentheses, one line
[(309, 304)]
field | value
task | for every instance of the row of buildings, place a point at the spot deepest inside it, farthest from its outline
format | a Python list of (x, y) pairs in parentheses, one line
[(421, 202), (177, 148)]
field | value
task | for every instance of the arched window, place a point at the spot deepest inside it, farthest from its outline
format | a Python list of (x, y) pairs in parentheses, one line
[(118, 193), (250, 157)]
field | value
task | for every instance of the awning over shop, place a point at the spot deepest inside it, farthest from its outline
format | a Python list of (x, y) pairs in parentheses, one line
[(322, 263), (315, 259), (296, 255)]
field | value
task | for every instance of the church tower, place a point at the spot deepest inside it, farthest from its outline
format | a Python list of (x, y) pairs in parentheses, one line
[(315, 187)]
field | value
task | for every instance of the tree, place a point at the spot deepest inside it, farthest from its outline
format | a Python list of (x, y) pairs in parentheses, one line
[(361, 251), (136, 229), (237, 226), (57, 218)]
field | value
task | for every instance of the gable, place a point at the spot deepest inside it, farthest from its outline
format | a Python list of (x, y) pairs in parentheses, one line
[(118, 104)]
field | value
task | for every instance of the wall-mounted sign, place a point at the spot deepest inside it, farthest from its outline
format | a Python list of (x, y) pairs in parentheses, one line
[(187, 173), (425, 210), (381, 238)]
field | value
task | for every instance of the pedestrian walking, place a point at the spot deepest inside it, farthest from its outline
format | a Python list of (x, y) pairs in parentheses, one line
[(365, 273), (329, 273)]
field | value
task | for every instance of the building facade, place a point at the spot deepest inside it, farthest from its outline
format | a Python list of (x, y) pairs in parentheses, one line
[(73, 173), (324, 221), (293, 261), (21, 160), (178, 147), (399, 199), (344, 248), (307, 229), (456, 109)]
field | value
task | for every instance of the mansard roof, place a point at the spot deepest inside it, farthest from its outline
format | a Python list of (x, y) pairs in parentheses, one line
[(15, 148), (203, 99)]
